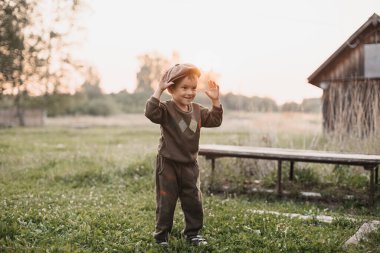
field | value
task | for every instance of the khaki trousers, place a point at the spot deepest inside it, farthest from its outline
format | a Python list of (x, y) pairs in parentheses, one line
[(177, 180)]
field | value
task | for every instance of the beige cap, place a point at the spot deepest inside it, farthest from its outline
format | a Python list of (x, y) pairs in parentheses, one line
[(180, 70)]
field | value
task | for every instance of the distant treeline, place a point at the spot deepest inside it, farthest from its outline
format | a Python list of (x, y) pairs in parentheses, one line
[(91, 101)]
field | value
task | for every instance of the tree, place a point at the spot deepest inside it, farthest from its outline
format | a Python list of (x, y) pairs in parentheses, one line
[(30, 47), (290, 107), (16, 55), (251, 104), (152, 66), (91, 86), (58, 31), (311, 105)]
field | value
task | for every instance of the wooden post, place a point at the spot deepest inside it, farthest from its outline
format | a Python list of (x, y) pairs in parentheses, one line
[(371, 169), (212, 174), (279, 178), (291, 172), (372, 187)]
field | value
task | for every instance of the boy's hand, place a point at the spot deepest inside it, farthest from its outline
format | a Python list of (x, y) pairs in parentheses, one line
[(163, 85), (213, 93), (213, 90)]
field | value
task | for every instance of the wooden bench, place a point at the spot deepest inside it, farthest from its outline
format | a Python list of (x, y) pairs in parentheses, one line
[(369, 162)]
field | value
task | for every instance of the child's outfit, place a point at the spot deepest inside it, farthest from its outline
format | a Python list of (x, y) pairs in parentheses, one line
[(177, 172)]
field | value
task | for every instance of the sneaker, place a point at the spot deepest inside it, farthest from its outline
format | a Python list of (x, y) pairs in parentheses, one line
[(197, 240), (162, 243)]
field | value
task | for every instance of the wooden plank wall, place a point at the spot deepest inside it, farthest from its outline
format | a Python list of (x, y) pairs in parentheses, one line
[(350, 63)]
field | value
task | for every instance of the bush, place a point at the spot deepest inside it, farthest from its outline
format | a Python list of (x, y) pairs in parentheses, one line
[(290, 107), (104, 106), (311, 105)]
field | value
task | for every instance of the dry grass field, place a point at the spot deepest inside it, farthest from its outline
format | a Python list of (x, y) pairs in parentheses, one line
[(233, 121)]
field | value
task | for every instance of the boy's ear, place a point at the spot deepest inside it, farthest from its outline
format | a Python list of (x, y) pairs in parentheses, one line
[(170, 89)]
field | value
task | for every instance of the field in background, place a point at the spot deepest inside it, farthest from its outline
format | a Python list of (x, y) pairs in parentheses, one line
[(233, 121), (86, 184), (286, 130)]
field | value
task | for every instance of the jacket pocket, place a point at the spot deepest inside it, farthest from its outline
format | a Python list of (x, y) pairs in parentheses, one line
[(160, 164), (197, 176)]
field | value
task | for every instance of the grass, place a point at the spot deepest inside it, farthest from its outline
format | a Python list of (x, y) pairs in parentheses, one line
[(91, 189)]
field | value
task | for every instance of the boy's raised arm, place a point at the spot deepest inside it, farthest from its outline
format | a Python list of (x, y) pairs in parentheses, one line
[(154, 110), (213, 117)]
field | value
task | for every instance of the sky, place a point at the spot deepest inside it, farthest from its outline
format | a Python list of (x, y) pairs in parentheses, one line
[(259, 48)]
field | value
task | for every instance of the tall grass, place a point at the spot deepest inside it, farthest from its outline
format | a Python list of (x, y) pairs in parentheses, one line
[(352, 107)]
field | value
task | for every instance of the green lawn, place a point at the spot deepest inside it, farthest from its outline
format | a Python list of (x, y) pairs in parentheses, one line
[(92, 190)]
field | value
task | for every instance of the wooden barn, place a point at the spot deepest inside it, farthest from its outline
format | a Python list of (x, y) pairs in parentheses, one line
[(350, 79)]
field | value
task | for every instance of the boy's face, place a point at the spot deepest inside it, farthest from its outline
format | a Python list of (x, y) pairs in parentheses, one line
[(184, 92)]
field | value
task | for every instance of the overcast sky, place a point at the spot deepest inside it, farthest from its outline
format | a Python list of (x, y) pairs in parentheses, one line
[(259, 48)]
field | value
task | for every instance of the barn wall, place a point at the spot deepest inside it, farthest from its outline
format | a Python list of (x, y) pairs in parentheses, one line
[(352, 107)]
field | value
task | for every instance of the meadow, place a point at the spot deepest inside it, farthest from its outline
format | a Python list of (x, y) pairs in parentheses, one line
[(85, 184)]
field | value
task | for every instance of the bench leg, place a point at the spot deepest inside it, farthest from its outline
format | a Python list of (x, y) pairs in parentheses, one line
[(279, 178), (372, 170), (291, 172), (211, 186), (377, 176)]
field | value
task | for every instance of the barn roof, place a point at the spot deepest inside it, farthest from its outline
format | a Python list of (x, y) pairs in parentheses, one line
[(352, 41)]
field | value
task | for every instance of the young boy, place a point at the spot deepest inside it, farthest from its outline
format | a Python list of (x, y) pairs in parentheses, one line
[(177, 172)]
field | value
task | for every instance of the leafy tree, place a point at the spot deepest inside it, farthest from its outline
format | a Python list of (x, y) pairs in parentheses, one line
[(16, 55), (290, 107), (152, 66), (131, 102), (57, 31), (91, 86), (30, 48), (265, 104), (312, 105), (252, 104)]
